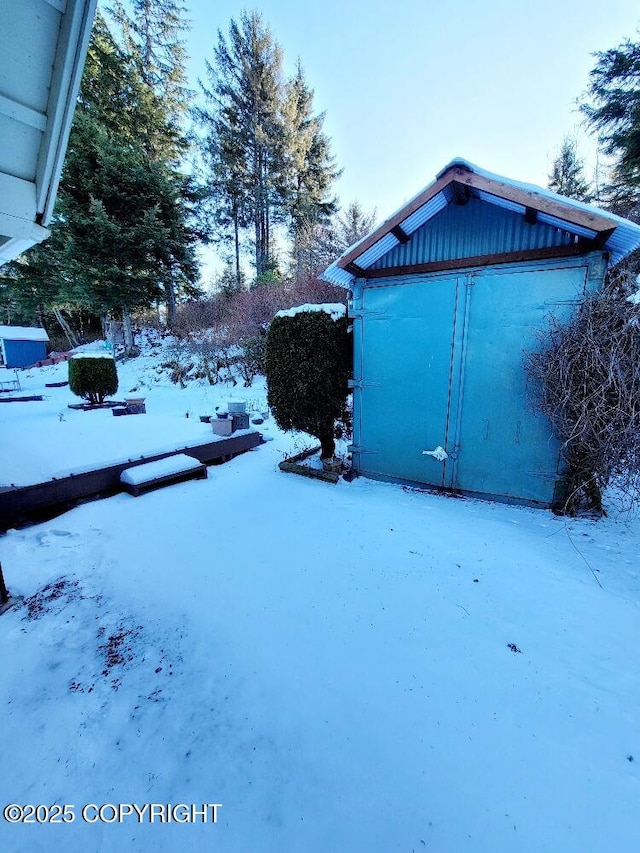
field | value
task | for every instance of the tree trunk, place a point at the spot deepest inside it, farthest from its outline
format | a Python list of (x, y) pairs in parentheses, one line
[(66, 328), (129, 346), (171, 302), (236, 238), (327, 443), (267, 234)]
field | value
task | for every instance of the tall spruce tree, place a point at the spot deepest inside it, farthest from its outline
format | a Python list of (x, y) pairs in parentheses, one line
[(567, 172), (269, 160), (613, 112), (312, 169), (245, 130), (153, 39), (152, 36)]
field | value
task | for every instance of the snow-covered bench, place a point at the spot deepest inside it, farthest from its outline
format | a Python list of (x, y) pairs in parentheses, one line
[(163, 472)]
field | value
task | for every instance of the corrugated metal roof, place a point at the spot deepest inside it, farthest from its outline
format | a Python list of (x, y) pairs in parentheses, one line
[(336, 275), (471, 230), (625, 238), (424, 213), (377, 251), (501, 202), (589, 233)]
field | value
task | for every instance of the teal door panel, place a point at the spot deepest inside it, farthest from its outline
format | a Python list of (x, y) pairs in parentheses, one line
[(439, 365), (504, 447), (406, 346)]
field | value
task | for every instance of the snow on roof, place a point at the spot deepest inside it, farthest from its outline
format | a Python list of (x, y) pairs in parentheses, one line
[(23, 333), (93, 355), (624, 239), (335, 309)]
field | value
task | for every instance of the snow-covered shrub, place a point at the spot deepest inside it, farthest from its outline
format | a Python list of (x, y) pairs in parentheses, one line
[(93, 376), (587, 375), (307, 364)]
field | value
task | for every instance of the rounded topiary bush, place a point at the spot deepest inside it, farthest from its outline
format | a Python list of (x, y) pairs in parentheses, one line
[(93, 378), (307, 364)]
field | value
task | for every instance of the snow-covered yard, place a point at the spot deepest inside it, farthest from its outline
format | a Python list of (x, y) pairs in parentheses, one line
[(353, 668)]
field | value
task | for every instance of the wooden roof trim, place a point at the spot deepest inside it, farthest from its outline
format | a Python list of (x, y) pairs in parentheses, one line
[(522, 256), (384, 229), (527, 198), (461, 175)]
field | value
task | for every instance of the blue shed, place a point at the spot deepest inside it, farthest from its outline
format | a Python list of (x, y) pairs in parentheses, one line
[(21, 346), (446, 296)]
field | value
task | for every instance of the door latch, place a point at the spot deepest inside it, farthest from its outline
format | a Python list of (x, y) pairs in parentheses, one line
[(438, 453)]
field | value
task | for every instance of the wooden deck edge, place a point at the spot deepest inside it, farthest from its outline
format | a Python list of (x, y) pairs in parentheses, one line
[(57, 495)]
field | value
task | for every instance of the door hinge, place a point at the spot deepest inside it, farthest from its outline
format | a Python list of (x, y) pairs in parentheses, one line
[(362, 383), (363, 313), (356, 448)]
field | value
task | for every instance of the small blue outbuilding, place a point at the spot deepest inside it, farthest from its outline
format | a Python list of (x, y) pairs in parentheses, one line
[(21, 346), (446, 296)]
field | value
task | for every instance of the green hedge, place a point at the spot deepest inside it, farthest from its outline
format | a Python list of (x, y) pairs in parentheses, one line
[(307, 364), (93, 378)]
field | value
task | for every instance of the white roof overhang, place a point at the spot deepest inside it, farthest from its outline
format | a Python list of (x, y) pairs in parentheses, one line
[(43, 46)]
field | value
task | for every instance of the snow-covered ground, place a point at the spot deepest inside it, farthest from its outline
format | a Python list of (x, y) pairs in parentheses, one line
[(355, 667), (44, 439)]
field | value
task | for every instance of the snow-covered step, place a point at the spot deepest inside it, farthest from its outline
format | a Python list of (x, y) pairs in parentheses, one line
[(163, 472)]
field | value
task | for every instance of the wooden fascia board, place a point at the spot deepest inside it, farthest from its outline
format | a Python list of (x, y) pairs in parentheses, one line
[(526, 255), (453, 174), (586, 219), (471, 180)]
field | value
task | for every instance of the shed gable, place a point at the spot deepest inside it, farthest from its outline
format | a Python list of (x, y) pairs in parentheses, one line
[(470, 230), (563, 228)]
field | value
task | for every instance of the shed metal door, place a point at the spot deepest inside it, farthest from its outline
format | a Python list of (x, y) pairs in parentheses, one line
[(442, 366), (407, 345)]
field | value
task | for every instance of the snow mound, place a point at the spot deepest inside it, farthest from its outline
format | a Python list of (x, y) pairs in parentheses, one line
[(334, 309)]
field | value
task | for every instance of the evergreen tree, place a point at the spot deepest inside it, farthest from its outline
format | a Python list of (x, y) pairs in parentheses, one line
[(120, 227), (245, 131), (614, 113), (353, 225), (567, 172), (268, 158), (320, 243), (153, 38), (312, 169)]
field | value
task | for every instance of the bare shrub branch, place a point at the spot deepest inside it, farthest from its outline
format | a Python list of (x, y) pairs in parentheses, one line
[(587, 378)]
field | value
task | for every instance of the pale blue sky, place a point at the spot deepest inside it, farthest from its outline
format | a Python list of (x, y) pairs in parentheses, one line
[(408, 85)]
